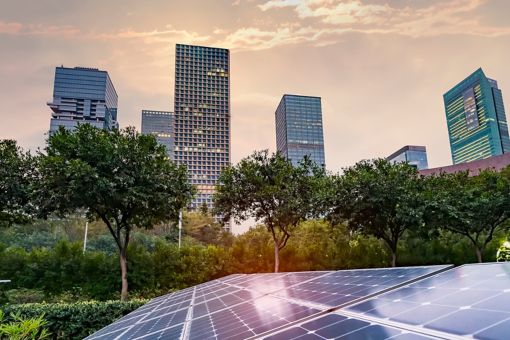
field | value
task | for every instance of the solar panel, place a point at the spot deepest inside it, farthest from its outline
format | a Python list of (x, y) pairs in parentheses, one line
[(342, 287), (257, 305), (337, 326), (471, 300)]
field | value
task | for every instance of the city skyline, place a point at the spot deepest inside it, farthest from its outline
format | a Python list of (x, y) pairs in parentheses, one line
[(345, 53)]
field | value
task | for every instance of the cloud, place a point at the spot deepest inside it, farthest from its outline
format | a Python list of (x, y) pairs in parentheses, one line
[(16, 28), (156, 36), (444, 17)]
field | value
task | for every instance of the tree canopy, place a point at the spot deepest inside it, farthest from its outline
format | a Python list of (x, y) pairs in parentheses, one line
[(377, 198), (121, 177), (470, 206), (269, 189), (16, 173)]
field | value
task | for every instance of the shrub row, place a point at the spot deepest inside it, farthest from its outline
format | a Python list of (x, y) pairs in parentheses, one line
[(76, 320)]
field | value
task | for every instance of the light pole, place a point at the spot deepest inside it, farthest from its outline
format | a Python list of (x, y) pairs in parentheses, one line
[(180, 228), (85, 238)]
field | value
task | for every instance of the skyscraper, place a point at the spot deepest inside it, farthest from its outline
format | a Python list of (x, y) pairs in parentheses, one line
[(202, 116), (413, 154), (476, 119), (161, 125), (299, 128), (83, 95)]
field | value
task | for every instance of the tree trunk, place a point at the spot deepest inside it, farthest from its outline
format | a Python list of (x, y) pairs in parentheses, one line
[(478, 254), (123, 270), (393, 258), (276, 257)]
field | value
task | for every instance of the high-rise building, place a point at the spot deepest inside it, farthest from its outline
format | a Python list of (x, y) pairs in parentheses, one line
[(83, 95), (202, 116), (412, 154), (161, 125), (299, 128), (476, 119)]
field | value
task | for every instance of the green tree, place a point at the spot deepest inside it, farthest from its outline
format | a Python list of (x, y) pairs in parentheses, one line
[(121, 177), (16, 173), (271, 190), (205, 229), (377, 198), (474, 207)]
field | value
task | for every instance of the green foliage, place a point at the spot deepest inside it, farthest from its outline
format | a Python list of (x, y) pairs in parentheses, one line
[(271, 190), (65, 273), (120, 177), (205, 229), (20, 328), (16, 174), (74, 320), (377, 198), (503, 253), (474, 207), (24, 295)]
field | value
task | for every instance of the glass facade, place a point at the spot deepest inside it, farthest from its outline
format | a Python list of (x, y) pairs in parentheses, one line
[(411, 154), (299, 128), (83, 95), (161, 125), (476, 119), (202, 116)]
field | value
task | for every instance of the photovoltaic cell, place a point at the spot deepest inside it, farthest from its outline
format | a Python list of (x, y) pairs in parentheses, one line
[(335, 326), (471, 300), (342, 287)]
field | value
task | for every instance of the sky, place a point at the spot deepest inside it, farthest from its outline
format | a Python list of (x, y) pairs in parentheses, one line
[(380, 66)]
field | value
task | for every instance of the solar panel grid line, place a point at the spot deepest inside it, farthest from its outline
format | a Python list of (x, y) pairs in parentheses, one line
[(337, 326), (403, 326), (358, 300), (149, 313), (470, 300), (280, 276)]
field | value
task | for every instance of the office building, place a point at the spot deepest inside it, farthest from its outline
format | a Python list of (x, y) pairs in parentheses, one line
[(299, 128), (476, 119), (412, 154), (161, 125), (202, 116), (83, 95)]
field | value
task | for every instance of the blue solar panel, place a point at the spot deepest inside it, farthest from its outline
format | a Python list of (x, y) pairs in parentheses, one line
[(258, 305), (345, 286), (471, 300), (335, 326)]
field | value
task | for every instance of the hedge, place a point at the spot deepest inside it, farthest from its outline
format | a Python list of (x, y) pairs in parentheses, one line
[(74, 320)]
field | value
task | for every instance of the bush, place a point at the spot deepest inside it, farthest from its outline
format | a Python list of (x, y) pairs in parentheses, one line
[(19, 328), (76, 320), (24, 295)]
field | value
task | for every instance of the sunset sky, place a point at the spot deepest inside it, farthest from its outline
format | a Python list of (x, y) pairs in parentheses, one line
[(381, 66)]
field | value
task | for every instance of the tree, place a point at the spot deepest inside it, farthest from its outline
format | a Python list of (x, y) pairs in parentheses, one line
[(377, 198), (121, 177), (16, 172), (205, 229), (270, 190), (474, 207)]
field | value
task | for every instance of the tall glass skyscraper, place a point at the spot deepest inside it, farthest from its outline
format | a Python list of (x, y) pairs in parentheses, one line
[(413, 154), (299, 128), (161, 125), (83, 95), (202, 116), (476, 119)]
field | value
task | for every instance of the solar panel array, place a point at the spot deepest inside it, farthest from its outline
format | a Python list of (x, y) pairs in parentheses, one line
[(429, 302)]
